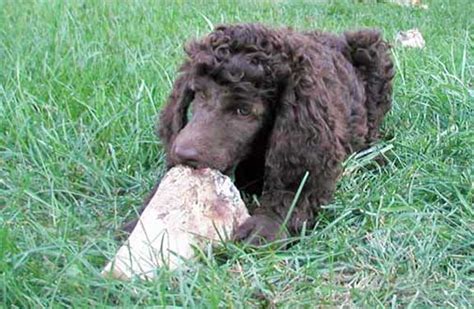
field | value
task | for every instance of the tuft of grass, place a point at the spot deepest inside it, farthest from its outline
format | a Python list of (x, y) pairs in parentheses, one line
[(80, 85)]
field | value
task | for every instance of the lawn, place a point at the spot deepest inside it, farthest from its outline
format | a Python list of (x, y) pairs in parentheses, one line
[(81, 83)]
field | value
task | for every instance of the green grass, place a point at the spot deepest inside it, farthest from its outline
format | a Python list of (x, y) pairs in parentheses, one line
[(80, 85)]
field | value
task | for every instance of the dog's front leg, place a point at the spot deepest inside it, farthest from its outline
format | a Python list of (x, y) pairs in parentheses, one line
[(283, 213)]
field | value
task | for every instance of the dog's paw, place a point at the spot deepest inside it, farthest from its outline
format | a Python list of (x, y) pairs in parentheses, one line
[(259, 230)]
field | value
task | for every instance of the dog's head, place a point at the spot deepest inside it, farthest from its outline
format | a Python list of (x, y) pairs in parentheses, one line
[(221, 124), (224, 100)]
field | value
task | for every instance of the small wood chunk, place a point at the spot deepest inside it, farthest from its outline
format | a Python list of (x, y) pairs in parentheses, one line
[(190, 208), (410, 38)]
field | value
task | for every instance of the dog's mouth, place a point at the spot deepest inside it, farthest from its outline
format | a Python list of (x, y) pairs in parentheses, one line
[(228, 171)]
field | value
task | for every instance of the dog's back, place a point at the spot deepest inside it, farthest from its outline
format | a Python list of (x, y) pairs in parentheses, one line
[(370, 55)]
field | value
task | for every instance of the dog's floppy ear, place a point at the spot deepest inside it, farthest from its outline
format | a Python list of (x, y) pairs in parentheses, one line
[(305, 138), (173, 115)]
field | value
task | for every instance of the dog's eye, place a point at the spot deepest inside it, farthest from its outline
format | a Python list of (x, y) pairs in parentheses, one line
[(204, 94), (243, 111)]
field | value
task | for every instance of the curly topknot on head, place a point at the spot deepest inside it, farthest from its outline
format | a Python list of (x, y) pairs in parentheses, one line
[(243, 52)]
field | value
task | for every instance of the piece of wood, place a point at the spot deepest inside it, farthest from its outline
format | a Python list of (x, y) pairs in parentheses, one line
[(190, 208), (410, 38)]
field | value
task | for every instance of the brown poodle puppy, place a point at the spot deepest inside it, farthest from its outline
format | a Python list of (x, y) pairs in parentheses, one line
[(273, 104)]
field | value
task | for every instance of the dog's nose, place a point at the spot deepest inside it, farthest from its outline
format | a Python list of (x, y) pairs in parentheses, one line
[(187, 155)]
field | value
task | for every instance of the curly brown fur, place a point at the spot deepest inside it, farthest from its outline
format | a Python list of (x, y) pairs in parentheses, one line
[(274, 104)]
